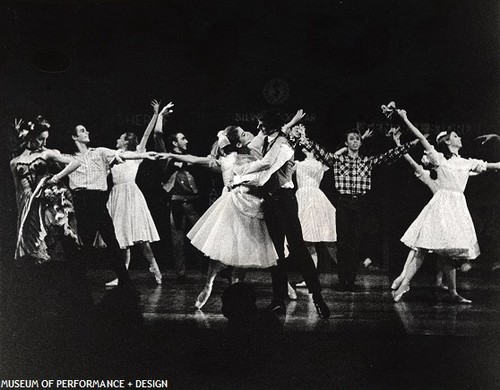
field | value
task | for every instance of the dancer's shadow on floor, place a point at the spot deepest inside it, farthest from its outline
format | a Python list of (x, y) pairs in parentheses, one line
[(118, 332)]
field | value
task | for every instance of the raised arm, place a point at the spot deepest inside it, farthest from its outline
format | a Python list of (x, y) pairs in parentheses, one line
[(396, 135), (427, 146), (296, 119), (144, 140), (71, 164)]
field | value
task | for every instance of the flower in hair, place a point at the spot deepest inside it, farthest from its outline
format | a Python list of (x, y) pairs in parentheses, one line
[(388, 109), (440, 136)]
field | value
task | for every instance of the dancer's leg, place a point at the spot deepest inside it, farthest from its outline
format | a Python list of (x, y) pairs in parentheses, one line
[(399, 279), (214, 268), (311, 247), (411, 270), (153, 265), (451, 277), (126, 258), (439, 273)]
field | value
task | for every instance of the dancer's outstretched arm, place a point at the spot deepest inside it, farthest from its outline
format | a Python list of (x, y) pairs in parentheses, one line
[(144, 140), (427, 146), (396, 135)]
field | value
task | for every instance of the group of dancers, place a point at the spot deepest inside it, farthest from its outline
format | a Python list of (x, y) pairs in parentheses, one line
[(259, 221)]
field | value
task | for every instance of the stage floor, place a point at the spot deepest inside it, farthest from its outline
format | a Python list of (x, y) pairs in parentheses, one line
[(422, 311)]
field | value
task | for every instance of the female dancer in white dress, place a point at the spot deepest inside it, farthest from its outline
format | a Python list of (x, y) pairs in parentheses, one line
[(127, 206), (235, 219), (444, 226), (316, 213)]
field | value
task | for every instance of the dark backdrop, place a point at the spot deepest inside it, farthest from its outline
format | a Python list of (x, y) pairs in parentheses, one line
[(100, 63)]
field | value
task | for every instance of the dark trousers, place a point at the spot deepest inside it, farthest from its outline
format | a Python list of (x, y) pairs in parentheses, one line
[(281, 215), (351, 213), (92, 215), (183, 216)]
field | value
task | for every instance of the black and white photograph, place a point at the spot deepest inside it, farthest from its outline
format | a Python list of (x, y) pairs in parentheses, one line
[(250, 195)]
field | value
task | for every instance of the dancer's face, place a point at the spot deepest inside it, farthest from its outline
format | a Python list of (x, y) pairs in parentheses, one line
[(353, 141), (39, 141), (245, 137), (82, 135), (121, 143), (455, 141), (182, 142)]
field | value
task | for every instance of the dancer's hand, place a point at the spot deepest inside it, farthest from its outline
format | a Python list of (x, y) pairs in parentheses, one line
[(150, 155), (402, 113), (156, 105), (396, 135), (487, 137), (167, 110), (163, 156), (367, 134), (17, 124), (298, 116)]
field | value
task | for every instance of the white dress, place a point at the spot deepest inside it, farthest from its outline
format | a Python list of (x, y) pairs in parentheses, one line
[(316, 213), (128, 209), (445, 226), (233, 229)]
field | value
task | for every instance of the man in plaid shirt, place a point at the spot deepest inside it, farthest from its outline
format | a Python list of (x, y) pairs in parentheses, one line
[(353, 175)]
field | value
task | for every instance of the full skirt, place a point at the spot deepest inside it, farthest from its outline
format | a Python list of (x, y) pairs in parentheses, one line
[(130, 214), (445, 227), (233, 231), (316, 215)]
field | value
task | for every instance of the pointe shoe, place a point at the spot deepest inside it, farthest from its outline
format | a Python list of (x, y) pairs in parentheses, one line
[(203, 297), (113, 283), (291, 293), (301, 285), (156, 273), (397, 282), (455, 298), (398, 294)]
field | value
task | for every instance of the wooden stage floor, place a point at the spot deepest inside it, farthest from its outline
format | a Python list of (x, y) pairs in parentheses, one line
[(368, 343), (422, 311)]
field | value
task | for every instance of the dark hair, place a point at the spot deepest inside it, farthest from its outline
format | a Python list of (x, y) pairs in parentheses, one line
[(171, 138), (233, 136), (35, 128), (272, 118), (442, 147), (132, 141), (351, 131)]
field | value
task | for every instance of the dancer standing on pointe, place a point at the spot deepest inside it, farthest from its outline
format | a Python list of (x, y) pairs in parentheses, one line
[(444, 226), (126, 204), (281, 211), (232, 232)]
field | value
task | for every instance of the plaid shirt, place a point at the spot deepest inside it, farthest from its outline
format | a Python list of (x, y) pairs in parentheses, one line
[(353, 176)]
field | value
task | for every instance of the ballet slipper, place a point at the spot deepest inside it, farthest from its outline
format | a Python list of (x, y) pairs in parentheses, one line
[(398, 294), (397, 282), (203, 297), (156, 272), (455, 298), (301, 285), (291, 293), (113, 283)]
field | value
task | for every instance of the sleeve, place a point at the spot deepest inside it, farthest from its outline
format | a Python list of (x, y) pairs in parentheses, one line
[(274, 159), (391, 155), (259, 178), (323, 156), (477, 166), (432, 157)]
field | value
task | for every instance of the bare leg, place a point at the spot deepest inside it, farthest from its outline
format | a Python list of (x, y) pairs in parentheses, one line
[(126, 258), (439, 274), (214, 267), (399, 279), (412, 268), (451, 277), (153, 266)]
